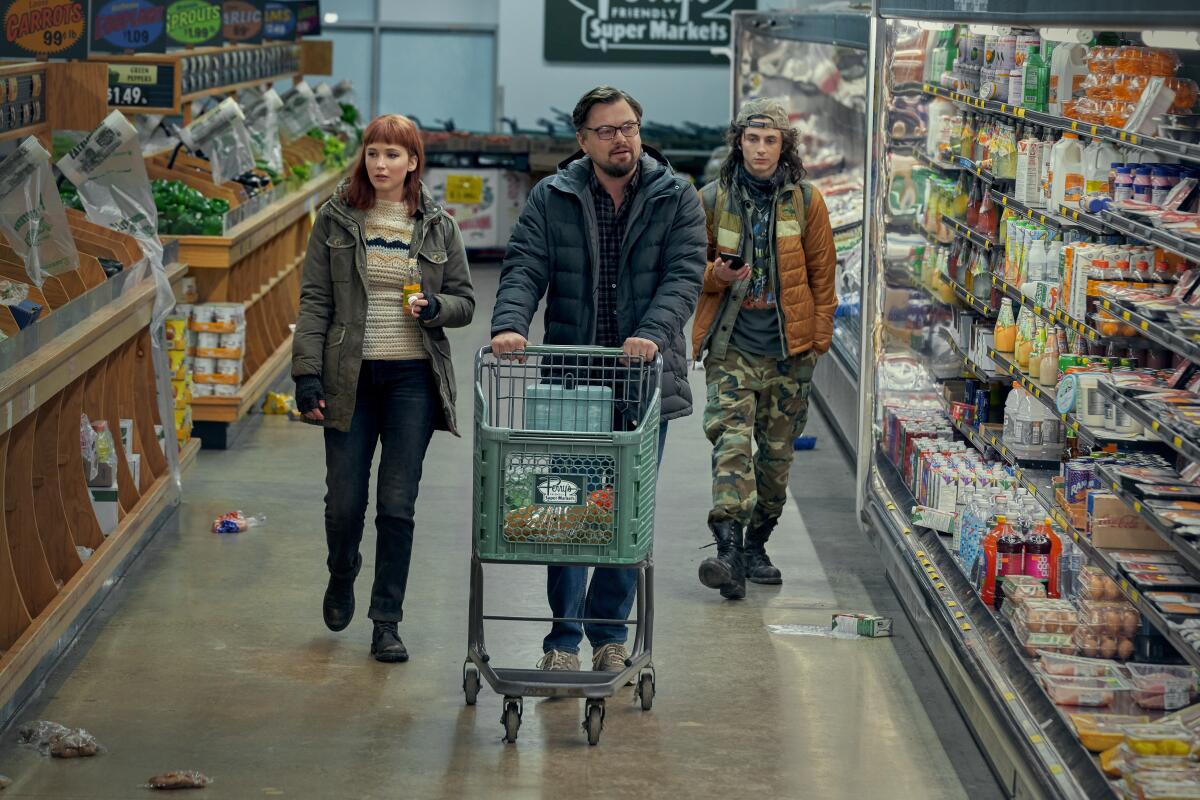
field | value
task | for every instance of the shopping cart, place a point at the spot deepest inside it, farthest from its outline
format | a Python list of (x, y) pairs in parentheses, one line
[(566, 456)]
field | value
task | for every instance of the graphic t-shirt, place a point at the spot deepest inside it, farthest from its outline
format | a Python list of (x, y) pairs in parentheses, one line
[(756, 330)]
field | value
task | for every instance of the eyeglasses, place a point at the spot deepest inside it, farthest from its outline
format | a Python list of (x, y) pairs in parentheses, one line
[(606, 132)]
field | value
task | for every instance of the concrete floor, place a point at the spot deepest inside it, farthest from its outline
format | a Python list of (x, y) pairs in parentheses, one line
[(210, 654)]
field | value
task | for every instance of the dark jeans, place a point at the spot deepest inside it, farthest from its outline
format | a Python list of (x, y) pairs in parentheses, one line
[(397, 403), (610, 596)]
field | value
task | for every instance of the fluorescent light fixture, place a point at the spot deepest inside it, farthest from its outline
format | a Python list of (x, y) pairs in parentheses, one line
[(331, 17), (1184, 40), (934, 26), (991, 30), (1067, 35)]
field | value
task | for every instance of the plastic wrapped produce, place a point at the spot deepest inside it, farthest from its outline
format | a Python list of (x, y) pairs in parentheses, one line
[(1109, 617), (1048, 616), (1084, 691), (1099, 732), (1076, 667), (1162, 686)]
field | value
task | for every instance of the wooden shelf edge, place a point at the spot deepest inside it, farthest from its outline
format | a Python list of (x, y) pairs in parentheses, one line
[(231, 409), (28, 130), (42, 639), (188, 453), (222, 252), (44, 373), (275, 281)]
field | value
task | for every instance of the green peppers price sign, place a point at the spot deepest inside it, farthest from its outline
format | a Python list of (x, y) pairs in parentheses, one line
[(194, 22), (640, 31), (50, 28)]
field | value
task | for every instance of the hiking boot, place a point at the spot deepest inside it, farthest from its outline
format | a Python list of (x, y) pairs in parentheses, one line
[(610, 658), (759, 568), (725, 570), (386, 645), (559, 661), (338, 608)]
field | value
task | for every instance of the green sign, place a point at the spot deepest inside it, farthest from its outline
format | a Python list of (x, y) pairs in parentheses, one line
[(640, 31), (194, 22)]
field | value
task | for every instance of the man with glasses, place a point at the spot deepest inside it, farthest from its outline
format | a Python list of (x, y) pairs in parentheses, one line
[(615, 242)]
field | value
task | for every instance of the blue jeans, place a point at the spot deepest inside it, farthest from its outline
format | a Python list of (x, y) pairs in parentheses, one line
[(610, 596), (396, 403)]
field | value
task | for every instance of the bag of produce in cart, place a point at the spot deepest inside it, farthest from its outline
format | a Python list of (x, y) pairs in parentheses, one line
[(221, 134), (262, 121), (300, 113), (559, 499), (32, 217)]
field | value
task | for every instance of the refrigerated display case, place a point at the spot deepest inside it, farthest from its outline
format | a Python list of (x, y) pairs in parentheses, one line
[(816, 63), (1029, 368)]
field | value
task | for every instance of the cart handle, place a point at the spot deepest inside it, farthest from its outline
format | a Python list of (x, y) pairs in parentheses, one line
[(571, 350)]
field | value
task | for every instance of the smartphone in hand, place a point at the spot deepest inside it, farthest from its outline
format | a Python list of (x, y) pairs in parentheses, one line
[(734, 261)]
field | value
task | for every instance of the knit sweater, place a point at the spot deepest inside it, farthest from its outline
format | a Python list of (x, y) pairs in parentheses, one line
[(391, 331)]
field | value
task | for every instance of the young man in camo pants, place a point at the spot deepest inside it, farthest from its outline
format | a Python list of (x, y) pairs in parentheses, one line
[(764, 316)]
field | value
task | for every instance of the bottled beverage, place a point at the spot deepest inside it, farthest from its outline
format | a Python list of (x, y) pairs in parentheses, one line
[(1123, 187), (1029, 166), (1036, 81), (990, 559), (1010, 559), (1043, 552), (973, 202), (1066, 171), (1035, 356)]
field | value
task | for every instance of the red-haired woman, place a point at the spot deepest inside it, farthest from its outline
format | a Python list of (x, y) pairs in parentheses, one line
[(374, 366)]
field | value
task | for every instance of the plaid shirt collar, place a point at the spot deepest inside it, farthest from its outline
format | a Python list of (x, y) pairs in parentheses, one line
[(631, 188)]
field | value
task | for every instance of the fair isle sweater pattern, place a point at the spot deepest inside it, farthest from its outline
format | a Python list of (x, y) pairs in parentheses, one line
[(391, 332)]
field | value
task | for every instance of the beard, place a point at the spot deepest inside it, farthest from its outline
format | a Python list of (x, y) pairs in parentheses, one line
[(614, 170)]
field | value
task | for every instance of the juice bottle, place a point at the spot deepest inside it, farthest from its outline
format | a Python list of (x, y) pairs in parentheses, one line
[(1036, 81), (1049, 369), (1010, 559), (990, 558), (973, 202), (1066, 171), (1006, 327), (989, 218), (1043, 551), (1036, 355)]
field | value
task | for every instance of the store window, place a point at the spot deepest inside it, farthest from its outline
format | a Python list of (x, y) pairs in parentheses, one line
[(439, 76)]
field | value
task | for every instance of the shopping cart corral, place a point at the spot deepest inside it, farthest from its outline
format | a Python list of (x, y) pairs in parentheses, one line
[(565, 470)]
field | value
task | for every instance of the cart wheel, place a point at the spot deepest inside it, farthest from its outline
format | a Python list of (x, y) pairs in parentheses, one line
[(593, 722), (645, 689), (471, 683), (511, 720)]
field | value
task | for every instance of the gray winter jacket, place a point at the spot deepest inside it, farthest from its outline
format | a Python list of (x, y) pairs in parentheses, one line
[(333, 302), (554, 250)]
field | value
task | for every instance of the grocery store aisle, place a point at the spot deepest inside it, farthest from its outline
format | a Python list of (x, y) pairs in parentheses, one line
[(211, 654)]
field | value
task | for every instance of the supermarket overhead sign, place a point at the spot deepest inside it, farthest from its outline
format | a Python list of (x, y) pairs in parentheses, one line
[(121, 25), (640, 31), (46, 28)]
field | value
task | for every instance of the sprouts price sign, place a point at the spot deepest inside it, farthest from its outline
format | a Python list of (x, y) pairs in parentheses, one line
[(51, 28), (640, 31)]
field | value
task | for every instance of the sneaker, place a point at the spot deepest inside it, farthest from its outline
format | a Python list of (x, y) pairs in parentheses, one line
[(559, 661), (610, 658), (386, 645)]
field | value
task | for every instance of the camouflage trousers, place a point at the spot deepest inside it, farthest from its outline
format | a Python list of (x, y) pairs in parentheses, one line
[(754, 400)]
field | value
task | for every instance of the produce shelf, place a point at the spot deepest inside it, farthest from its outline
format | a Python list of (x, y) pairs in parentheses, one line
[(232, 409)]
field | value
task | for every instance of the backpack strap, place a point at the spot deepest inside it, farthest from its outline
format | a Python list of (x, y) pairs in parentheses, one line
[(802, 199)]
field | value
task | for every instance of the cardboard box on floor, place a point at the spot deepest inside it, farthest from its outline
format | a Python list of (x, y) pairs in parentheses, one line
[(1112, 524)]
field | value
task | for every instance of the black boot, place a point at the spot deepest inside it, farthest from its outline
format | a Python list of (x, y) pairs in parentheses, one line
[(759, 568), (725, 570), (338, 608), (386, 645)]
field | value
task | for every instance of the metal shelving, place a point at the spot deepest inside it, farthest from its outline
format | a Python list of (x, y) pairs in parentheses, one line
[(970, 234), (1158, 332), (1151, 235), (1183, 547), (1163, 430), (1055, 316)]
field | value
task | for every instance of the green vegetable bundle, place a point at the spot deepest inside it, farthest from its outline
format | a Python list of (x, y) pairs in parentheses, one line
[(183, 211)]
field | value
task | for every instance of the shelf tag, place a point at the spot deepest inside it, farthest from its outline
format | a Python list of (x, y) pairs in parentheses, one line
[(1137, 506), (1035, 739), (1145, 325), (959, 615), (1177, 441), (1009, 697), (965, 627)]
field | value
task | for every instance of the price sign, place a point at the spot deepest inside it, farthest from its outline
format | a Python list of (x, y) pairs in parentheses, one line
[(141, 85), (242, 21), (120, 25), (279, 20), (308, 17), (49, 28), (194, 22)]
